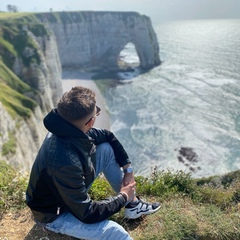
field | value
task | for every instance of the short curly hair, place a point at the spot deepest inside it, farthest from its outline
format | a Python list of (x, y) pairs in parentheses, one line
[(76, 104)]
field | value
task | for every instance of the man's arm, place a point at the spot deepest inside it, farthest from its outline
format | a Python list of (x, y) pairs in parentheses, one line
[(101, 136), (71, 188)]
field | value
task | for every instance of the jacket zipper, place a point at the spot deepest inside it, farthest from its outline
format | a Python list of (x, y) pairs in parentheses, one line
[(58, 210)]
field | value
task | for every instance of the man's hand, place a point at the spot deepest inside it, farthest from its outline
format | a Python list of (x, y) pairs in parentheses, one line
[(127, 178), (129, 190)]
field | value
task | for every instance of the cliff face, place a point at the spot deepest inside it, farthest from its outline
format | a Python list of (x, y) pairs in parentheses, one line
[(23, 136), (97, 38), (34, 49), (44, 75)]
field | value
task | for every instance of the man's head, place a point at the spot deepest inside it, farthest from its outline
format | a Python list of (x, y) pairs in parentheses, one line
[(78, 106)]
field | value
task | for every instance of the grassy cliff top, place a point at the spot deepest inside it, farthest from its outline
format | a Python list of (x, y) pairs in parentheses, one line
[(201, 209), (10, 16), (58, 17)]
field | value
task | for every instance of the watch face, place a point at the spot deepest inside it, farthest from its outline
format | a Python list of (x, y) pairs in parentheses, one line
[(128, 170)]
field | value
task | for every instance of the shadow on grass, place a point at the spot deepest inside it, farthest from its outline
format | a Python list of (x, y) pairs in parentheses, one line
[(38, 233)]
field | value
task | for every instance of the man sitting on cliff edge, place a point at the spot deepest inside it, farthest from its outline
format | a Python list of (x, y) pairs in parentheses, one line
[(69, 160)]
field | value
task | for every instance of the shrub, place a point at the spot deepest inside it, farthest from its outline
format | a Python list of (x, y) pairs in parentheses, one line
[(100, 189), (165, 183)]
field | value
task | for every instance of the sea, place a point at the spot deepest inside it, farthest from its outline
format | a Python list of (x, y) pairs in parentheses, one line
[(183, 115)]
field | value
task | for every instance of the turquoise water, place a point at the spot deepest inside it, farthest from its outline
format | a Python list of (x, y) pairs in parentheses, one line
[(191, 101)]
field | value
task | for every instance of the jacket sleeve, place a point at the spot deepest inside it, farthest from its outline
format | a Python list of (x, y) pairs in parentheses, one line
[(70, 185), (103, 135)]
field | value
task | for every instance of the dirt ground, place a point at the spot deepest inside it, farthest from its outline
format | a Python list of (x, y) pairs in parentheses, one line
[(20, 226)]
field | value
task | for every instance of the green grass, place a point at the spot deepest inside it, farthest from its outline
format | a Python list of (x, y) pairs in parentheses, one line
[(12, 188), (7, 76), (8, 45), (12, 91), (15, 103), (14, 41), (11, 16), (189, 210), (60, 17), (10, 146), (186, 213)]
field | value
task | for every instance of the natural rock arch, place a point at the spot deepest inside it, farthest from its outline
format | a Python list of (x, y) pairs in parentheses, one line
[(128, 57), (97, 40)]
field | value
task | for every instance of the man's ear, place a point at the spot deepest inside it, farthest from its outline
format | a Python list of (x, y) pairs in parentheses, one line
[(90, 123)]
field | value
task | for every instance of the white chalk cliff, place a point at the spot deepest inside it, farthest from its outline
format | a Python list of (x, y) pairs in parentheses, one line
[(97, 39)]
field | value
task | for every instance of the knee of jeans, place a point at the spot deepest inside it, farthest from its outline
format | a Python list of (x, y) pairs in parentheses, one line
[(105, 148), (104, 145)]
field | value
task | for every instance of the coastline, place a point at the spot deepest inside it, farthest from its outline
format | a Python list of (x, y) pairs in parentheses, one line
[(75, 78)]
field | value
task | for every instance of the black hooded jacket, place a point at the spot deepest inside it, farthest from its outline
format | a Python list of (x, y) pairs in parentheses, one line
[(64, 169)]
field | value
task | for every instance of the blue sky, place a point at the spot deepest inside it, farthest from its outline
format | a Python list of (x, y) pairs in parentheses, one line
[(157, 9)]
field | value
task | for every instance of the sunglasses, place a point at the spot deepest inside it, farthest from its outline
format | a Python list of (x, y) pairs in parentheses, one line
[(97, 114)]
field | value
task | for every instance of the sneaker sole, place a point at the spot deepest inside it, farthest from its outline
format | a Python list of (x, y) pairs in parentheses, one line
[(131, 214)]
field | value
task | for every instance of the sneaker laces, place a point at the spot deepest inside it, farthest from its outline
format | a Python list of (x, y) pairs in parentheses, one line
[(135, 203)]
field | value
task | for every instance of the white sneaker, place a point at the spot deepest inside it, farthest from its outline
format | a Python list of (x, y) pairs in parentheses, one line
[(133, 211)]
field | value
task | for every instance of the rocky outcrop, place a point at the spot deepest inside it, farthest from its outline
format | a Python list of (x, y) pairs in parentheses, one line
[(96, 39)]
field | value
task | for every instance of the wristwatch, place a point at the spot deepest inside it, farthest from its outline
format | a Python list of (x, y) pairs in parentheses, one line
[(128, 170)]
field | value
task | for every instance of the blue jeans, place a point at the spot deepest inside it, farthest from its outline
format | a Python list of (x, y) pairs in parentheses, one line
[(67, 224)]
